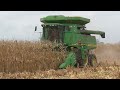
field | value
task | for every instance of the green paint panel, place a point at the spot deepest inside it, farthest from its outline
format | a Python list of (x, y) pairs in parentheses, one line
[(69, 61), (73, 38)]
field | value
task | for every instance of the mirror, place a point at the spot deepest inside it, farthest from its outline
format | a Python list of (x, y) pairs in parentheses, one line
[(35, 28), (103, 35)]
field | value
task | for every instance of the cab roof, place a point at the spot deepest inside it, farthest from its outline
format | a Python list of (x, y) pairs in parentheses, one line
[(64, 19)]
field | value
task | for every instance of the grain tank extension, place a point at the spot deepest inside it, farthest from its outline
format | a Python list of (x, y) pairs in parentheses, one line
[(72, 33)]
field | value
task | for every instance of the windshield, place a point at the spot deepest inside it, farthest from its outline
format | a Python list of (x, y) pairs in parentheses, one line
[(53, 33)]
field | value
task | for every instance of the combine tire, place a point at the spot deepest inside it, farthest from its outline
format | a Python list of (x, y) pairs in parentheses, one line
[(80, 62), (92, 60)]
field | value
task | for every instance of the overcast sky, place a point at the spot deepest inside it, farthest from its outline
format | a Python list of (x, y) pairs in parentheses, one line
[(20, 24)]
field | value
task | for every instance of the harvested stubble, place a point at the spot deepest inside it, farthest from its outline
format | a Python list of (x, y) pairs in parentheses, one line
[(107, 72)]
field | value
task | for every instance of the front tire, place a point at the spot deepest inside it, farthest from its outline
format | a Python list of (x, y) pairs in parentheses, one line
[(92, 60), (81, 62)]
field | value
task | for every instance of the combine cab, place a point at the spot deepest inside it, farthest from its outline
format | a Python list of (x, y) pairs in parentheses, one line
[(72, 33)]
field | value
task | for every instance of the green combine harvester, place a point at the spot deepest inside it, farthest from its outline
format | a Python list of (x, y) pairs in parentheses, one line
[(72, 33)]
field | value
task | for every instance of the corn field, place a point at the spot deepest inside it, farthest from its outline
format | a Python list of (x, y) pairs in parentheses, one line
[(28, 56), (27, 59)]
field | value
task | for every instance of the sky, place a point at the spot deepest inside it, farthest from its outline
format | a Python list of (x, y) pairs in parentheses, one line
[(20, 25)]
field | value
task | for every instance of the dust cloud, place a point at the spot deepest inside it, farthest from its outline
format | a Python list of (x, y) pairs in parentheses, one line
[(109, 53)]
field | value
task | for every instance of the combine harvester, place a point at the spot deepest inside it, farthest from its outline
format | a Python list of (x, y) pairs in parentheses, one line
[(72, 33)]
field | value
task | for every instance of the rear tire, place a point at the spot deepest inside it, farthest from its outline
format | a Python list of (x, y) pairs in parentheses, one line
[(92, 60)]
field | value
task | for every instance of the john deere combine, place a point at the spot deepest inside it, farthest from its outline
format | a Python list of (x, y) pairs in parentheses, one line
[(72, 33)]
